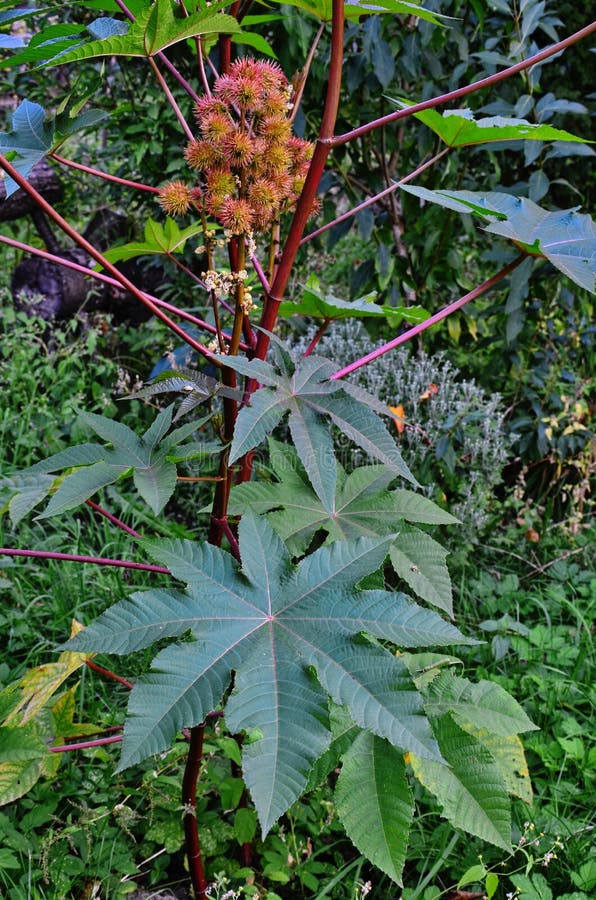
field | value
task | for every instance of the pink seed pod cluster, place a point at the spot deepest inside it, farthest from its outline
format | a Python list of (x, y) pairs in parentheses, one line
[(252, 166)]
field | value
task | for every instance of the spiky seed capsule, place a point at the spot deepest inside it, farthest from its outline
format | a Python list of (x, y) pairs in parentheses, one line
[(175, 198)]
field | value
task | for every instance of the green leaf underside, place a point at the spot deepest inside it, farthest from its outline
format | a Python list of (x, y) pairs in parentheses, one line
[(154, 30), (482, 705), (150, 458), (362, 506), (308, 390), (269, 623), (566, 238), (458, 128), (375, 803), (469, 788)]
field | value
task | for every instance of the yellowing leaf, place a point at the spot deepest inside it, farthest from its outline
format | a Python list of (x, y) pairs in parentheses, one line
[(39, 684)]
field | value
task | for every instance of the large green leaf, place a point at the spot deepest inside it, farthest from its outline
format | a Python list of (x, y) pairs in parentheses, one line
[(314, 302), (362, 505), (374, 802), (151, 459), (154, 30), (271, 624), (565, 237), (469, 788), (459, 128), (311, 397)]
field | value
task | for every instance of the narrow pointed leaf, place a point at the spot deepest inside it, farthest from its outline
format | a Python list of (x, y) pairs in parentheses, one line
[(420, 561), (79, 455), (80, 486), (156, 483), (314, 445), (366, 429), (375, 803), (483, 705), (276, 767), (256, 421), (470, 788), (153, 30)]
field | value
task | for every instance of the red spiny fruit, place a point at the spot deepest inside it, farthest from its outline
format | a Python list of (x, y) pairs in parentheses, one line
[(175, 198)]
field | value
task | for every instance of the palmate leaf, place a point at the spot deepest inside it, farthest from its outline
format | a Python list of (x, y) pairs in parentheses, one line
[(151, 459), (155, 29), (565, 237), (310, 397), (459, 128), (273, 625), (159, 239), (362, 505), (196, 387), (469, 787), (375, 803)]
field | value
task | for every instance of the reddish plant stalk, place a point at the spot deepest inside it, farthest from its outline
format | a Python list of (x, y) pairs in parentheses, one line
[(99, 276), (372, 200), (189, 803), (86, 745), (113, 519), (97, 256), (74, 557), (341, 139), (309, 191), (137, 185), (438, 317), (109, 674)]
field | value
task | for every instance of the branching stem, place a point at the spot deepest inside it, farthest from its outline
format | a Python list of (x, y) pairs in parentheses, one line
[(438, 317)]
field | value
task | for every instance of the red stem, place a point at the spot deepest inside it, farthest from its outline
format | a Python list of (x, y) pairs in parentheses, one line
[(73, 557), (99, 276), (422, 326), (317, 166), (189, 803), (86, 745), (97, 256), (341, 139), (113, 519), (372, 200), (109, 674), (99, 174)]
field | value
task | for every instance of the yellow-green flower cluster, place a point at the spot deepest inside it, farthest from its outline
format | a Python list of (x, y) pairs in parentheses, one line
[(252, 166)]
